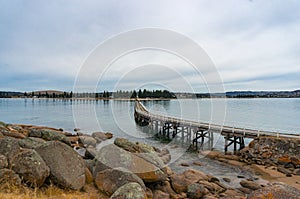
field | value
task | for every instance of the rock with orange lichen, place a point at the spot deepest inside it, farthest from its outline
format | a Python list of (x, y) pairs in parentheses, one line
[(285, 159), (109, 180), (180, 182), (275, 191), (295, 161)]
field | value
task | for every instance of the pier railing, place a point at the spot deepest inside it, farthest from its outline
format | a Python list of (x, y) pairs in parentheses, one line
[(196, 132)]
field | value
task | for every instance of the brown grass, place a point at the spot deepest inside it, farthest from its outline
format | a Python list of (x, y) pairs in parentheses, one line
[(8, 191)]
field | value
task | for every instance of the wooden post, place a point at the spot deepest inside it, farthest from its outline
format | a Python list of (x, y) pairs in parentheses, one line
[(242, 143), (156, 125), (226, 143), (234, 143), (211, 140)]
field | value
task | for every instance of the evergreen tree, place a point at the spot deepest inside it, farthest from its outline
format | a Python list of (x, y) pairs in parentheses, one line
[(140, 93), (134, 95)]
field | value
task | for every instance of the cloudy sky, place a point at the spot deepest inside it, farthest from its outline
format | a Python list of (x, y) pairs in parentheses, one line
[(254, 45)]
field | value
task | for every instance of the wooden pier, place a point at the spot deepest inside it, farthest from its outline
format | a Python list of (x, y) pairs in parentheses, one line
[(196, 133)]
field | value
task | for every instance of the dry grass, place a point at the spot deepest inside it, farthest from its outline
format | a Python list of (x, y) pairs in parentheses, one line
[(8, 191)]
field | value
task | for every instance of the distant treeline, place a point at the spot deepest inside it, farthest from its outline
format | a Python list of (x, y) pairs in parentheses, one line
[(7, 94), (143, 94), (98, 95), (263, 94), (46, 94), (150, 94)]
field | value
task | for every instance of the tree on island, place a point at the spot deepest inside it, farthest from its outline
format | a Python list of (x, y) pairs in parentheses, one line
[(140, 95), (105, 94), (134, 94)]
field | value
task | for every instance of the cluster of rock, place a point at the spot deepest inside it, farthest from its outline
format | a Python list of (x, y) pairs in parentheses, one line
[(125, 168), (275, 191), (37, 156), (282, 153)]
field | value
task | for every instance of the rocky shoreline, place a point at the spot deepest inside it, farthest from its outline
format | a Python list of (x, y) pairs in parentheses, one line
[(36, 157)]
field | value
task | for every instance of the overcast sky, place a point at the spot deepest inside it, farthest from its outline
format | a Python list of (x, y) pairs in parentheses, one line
[(254, 45)]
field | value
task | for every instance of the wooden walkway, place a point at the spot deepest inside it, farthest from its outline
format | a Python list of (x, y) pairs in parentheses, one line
[(197, 132)]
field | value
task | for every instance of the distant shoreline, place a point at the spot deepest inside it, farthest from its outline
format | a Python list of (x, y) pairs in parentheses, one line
[(145, 99), (149, 95)]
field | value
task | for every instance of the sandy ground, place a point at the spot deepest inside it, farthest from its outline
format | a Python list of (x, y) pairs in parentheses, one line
[(269, 174), (272, 175)]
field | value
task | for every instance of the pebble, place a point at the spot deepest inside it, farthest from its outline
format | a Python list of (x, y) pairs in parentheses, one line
[(184, 164), (227, 179)]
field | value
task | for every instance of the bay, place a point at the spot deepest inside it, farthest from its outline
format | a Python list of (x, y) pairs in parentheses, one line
[(278, 115), (116, 116)]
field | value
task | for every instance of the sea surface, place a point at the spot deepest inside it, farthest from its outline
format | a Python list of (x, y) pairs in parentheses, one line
[(279, 115), (116, 116)]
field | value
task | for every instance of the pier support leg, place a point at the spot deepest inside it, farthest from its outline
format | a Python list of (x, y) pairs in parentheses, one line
[(211, 140), (226, 144), (242, 143), (234, 143)]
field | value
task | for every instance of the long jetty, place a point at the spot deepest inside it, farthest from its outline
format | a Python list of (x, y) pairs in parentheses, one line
[(196, 132)]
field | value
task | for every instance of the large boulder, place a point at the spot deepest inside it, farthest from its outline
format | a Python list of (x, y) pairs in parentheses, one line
[(165, 187), (49, 135), (31, 142), (87, 140), (133, 147), (31, 167), (67, 168), (148, 166), (180, 182), (99, 136), (109, 180), (130, 191), (9, 147), (250, 184), (195, 191), (275, 191)]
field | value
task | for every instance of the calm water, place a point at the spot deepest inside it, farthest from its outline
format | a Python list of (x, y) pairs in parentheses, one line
[(280, 115), (117, 116)]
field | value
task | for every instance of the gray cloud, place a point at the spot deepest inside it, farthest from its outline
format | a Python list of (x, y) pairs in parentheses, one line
[(254, 44)]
